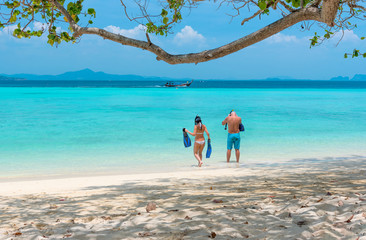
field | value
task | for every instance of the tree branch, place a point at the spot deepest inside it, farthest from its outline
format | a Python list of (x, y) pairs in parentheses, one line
[(309, 13), (329, 11)]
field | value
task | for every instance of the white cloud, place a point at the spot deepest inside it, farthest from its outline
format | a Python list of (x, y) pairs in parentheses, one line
[(282, 38), (136, 32), (348, 35), (44, 26), (188, 35), (40, 26), (9, 29)]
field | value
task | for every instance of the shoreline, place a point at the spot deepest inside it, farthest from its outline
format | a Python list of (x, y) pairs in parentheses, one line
[(314, 200), (140, 170)]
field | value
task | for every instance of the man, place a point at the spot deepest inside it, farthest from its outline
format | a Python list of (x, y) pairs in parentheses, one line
[(233, 137)]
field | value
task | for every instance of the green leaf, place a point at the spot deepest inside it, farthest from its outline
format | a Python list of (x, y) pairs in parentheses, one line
[(92, 12), (262, 5), (13, 19), (165, 20), (362, 38), (345, 55)]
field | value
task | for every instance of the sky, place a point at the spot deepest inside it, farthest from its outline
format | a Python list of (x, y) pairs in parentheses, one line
[(285, 55)]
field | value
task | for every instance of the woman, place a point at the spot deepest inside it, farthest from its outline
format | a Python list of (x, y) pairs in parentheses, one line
[(199, 142)]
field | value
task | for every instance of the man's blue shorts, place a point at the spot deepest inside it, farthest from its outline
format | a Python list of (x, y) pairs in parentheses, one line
[(233, 138)]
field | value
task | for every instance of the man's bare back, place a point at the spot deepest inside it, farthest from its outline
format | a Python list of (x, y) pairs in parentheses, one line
[(233, 122)]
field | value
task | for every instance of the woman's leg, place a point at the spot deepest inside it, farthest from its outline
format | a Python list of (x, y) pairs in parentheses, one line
[(196, 155), (202, 146)]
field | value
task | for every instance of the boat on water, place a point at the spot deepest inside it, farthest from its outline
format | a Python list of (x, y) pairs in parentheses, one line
[(173, 84)]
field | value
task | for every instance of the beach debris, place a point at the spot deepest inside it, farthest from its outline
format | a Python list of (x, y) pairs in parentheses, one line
[(349, 219), (53, 206), (362, 199), (364, 215), (150, 206), (173, 210), (340, 203), (320, 200), (146, 234), (246, 222), (329, 194), (62, 199), (217, 201), (212, 235), (17, 234), (294, 197), (188, 218), (301, 223), (67, 235), (271, 196), (106, 218), (211, 188)]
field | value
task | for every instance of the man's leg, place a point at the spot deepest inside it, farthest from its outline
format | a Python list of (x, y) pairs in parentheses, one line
[(237, 147), (237, 154), (228, 155)]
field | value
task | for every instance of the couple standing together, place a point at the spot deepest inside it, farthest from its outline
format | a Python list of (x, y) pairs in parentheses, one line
[(233, 121)]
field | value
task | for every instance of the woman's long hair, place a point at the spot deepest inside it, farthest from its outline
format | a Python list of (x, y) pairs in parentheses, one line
[(198, 120)]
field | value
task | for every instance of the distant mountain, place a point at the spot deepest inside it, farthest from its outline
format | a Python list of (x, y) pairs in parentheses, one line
[(6, 78), (85, 74), (340, 78), (359, 77), (90, 75)]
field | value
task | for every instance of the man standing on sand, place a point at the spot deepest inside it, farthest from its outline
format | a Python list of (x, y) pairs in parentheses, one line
[(233, 137)]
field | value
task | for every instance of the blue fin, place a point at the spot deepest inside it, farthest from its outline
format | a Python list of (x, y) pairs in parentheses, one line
[(209, 149), (186, 140)]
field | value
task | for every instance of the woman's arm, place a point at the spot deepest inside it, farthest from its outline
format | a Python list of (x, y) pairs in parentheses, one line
[(208, 134), (194, 131)]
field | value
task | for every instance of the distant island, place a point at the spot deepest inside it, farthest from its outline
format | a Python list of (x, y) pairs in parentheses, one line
[(90, 75)]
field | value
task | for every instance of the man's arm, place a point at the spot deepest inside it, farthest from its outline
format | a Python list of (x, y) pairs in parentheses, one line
[(225, 121)]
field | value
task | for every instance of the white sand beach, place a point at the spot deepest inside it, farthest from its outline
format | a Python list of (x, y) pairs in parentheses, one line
[(309, 200)]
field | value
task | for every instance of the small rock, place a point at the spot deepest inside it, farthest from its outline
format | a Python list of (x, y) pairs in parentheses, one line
[(212, 235), (173, 210), (329, 194), (150, 206), (146, 234), (217, 201), (188, 218), (301, 223)]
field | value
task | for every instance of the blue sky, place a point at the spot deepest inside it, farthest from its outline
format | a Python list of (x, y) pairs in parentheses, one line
[(286, 54)]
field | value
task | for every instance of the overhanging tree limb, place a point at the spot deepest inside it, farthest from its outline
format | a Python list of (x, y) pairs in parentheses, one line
[(309, 13)]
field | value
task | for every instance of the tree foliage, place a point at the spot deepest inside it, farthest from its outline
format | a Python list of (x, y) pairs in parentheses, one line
[(332, 15)]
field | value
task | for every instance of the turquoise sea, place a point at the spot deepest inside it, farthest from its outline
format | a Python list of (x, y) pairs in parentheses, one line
[(56, 131)]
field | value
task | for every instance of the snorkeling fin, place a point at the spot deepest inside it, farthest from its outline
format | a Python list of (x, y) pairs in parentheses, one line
[(209, 149), (186, 139), (241, 127)]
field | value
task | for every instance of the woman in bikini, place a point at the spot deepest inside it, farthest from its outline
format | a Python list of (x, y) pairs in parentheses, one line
[(199, 142)]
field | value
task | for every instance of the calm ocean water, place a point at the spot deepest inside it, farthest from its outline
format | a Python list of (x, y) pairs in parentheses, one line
[(51, 130)]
